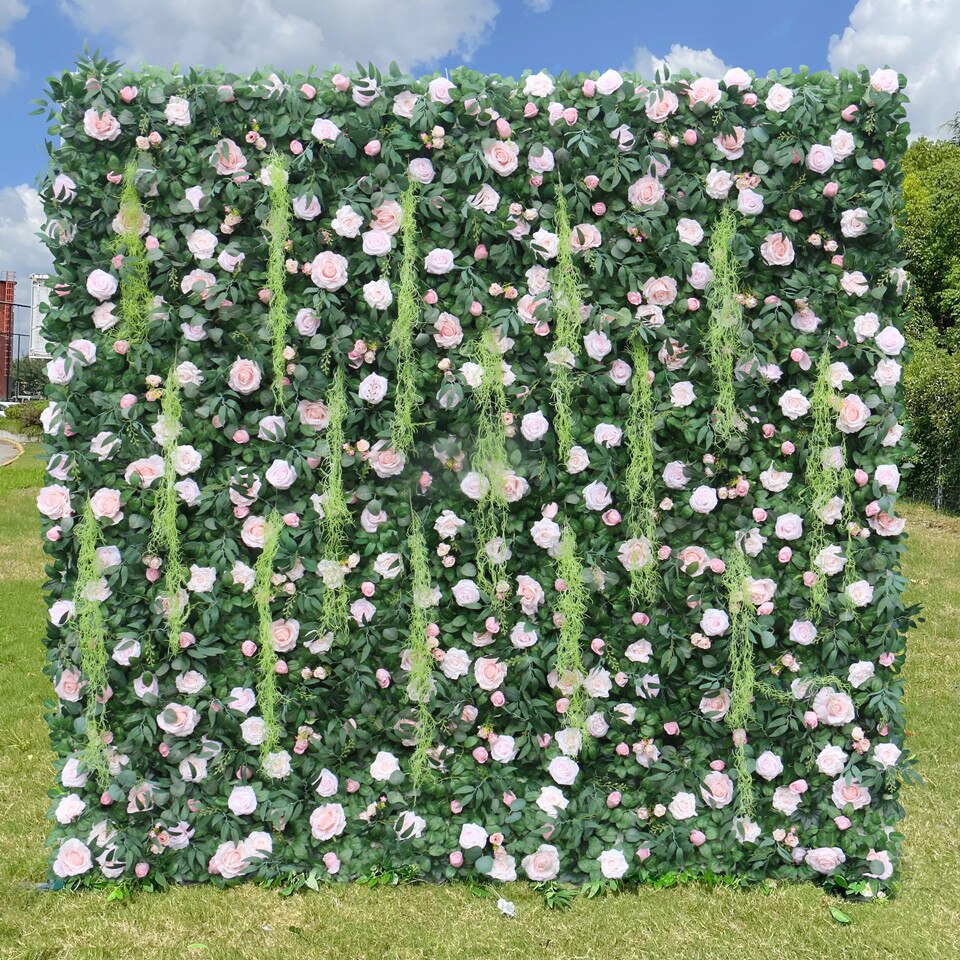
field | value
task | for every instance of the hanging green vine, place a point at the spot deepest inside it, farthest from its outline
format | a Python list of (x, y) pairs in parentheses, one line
[(404, 328), (165, 535), (822, 478), (568, 323), (572, 605), (741, 668), (278, 226), (136, 300), (725, 323), (420, 684), (490, 456), (336, 512), (268, 694), (91, 640), (640, 473)]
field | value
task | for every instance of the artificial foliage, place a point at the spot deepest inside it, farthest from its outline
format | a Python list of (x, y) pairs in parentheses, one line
[(475, 477)]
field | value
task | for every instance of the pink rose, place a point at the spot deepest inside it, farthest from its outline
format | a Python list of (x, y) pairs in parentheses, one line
[(228, 158), (54, 502), (328, 270), (777, 250), (502, 156), (101, 126), (661, 105), (328, 821), (245, 376), (73, 858), (645, 192), (819, 158)]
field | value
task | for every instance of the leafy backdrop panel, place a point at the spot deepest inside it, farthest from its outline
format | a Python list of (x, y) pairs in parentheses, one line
[(469, 477)]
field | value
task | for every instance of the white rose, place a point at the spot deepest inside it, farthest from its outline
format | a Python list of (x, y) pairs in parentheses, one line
[(689, 231), (779, 98), (596, 496), (613, 864), (533, 426), (803, 632), (794, 404), (465, 592), (714, 622), (682, 394), (769, 765), (577, 460), (831, 760), (860, 593), (683, 806), (384, 766), (860, 673), (703, 499), (373, 388)]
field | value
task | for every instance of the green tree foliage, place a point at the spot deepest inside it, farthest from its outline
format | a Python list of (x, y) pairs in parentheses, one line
[(931, 231), (931, 240)]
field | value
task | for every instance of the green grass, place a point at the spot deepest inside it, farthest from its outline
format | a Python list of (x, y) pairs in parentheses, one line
[(691, 922)]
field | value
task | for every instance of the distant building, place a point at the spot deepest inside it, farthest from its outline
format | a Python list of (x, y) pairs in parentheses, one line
[(8, 353), (39, 297)]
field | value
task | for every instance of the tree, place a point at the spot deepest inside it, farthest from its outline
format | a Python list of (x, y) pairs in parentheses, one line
[(28, 376), (931, 230)]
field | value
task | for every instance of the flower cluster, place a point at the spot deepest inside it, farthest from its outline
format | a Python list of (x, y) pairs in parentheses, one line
[(628, 603)]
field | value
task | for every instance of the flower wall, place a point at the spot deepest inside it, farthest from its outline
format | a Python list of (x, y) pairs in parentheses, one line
[(475, 478)]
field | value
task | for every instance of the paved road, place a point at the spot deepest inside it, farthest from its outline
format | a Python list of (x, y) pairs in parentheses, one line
[(8, 452)]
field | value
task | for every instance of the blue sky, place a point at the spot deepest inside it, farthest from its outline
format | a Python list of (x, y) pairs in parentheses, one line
[(41, 37)]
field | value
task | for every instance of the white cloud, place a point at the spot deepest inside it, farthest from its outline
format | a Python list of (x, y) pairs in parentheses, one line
[(916, 37), (539, 6), (704, 62), (21, 217), (10, 12), (243, 34)]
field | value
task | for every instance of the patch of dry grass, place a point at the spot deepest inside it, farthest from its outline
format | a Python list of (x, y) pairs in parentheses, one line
[(423, 921)]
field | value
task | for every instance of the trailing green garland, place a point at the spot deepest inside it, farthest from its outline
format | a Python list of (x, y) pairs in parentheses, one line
[(278, 225), (136, 300), (91, 640), (640, 473), (566, 334), (336, 511), (420, 684), (165, 535), (403, 331), (825, 481), (572, 604), (741, 668), (490, 457), (267, 693), (725, 323)]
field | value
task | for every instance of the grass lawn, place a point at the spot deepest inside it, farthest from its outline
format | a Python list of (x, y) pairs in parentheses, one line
[(422, 921)]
